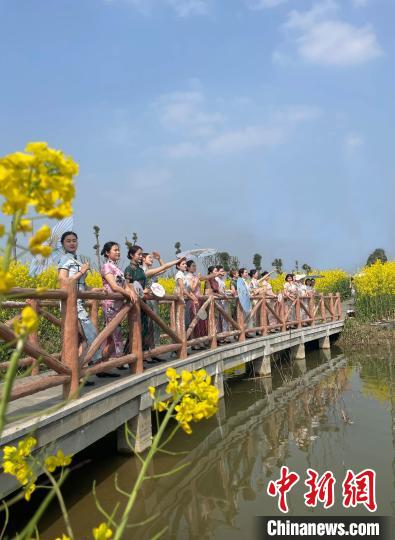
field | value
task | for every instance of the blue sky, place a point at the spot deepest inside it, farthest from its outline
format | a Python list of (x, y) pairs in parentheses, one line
[(246, 125)]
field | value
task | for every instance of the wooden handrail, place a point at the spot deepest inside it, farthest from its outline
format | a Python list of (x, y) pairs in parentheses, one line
[(267, 314)]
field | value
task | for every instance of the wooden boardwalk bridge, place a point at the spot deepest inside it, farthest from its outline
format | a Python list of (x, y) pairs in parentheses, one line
[(49, 401)]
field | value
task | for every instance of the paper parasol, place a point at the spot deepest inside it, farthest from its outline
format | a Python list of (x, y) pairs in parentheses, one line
[(39, 263), (244, 295), (199, 252)]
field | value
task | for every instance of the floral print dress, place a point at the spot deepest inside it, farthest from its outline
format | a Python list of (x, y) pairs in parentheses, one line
[(112, 307)]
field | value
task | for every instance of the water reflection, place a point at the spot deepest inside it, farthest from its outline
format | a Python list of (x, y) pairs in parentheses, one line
[(319, 419)]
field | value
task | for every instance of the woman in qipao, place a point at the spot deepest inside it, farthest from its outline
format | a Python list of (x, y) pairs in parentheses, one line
[(114, 281), (70, 267)]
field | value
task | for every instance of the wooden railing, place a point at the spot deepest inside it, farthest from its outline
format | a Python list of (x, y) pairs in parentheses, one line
[(225, 319)]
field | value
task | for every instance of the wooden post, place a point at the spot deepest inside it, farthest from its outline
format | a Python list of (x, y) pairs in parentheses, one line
[(33, 337), (297, 313), (173, 325), (339, 307), (332, 307), (282, 316), (264, 319), (212, 327), (312, 309), (322, 305), (241, 322), (180, 326), (70, 339), (135, 342), (95, 314)]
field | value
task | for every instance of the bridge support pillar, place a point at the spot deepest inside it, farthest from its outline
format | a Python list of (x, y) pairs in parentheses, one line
[(326, 354), (221, 412), (299, 352), (267, 384), (301, 363), (324, 343), (219, 378), (262, 366), (141, 428)]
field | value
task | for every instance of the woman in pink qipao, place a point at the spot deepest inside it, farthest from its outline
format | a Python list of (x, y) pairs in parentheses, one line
[(114, 282)]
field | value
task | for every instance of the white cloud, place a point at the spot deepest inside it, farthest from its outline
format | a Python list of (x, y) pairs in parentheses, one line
[(321, 38), (185, 114), (264, 4), (189, 8), (182, 8), (187, 111), (182, 150), (246, 138)]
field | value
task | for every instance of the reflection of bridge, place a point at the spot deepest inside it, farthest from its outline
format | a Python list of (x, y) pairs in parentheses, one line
[(75, 424), (237, 456)]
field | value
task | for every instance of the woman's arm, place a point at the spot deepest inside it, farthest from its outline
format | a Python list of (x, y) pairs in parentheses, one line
[(63, 274), (162, 268), (117, 289)]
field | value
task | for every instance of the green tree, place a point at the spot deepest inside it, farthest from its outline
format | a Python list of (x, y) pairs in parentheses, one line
[(278, 265), (257, 261), (377, 255), (177, 247), (223, 258), (129, 243), (306, 268), (96, 247)]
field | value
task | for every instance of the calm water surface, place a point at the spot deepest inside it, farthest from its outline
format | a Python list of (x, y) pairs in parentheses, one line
[(336, 415)]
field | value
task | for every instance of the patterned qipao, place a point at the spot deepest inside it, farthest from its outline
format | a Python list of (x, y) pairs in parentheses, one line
[(111, 307)]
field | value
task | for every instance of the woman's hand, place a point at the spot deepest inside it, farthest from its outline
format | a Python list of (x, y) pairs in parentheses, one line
[(133, 296), (156, 255), (84, 268)]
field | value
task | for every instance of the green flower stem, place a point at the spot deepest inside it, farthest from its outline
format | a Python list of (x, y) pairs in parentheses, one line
[(28, 530), (61, 503), (142, 475), (11, 239), (9, 381)]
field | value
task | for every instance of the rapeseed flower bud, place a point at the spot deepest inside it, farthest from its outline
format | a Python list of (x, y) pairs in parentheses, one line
[(58, 460), (102, 532), (35, 242), (25, 225)]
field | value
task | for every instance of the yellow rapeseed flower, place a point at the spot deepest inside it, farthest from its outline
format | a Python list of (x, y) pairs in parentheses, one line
[(6, 281), (16, 463), (28, 322), (42, 178), (194, 395), (63, 537), (2, 230), (102, 532), (58, 460)]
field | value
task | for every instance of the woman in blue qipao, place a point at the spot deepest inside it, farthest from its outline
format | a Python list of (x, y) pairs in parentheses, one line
[(70, 267)]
